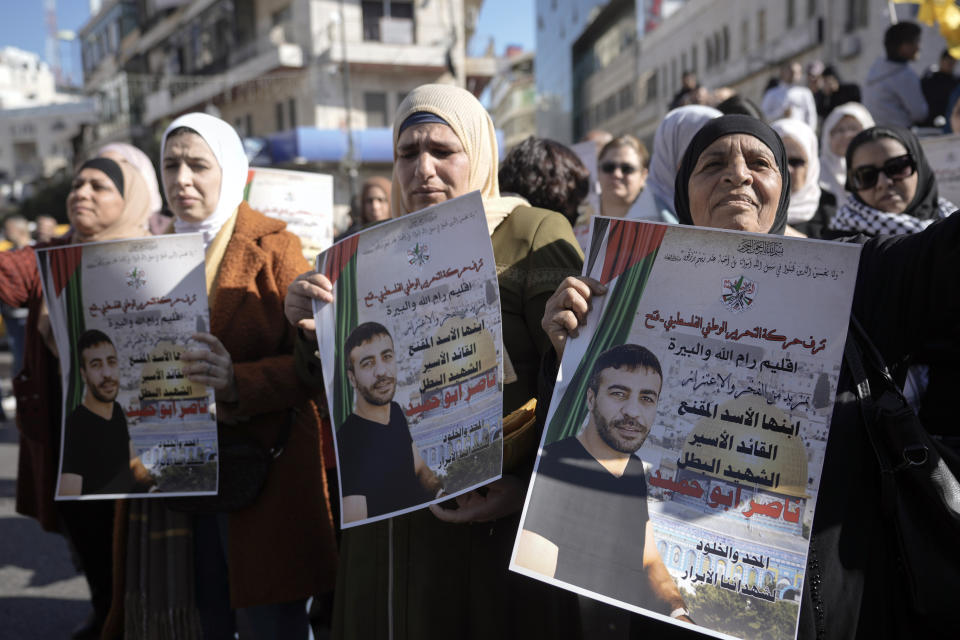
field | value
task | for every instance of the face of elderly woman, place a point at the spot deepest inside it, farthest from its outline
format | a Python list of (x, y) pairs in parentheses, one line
[(892, 195), (94, 204), (431, 166), (796, 163), (191, 177), (621, 175), (735, 185)]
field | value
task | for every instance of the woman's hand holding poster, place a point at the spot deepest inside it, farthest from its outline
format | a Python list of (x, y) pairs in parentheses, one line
[(680, 463), (122, 314), (411, 355)]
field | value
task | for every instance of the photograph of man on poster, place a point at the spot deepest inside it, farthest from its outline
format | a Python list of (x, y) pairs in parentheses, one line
[(381, 470), (587, 522), (98, 455)]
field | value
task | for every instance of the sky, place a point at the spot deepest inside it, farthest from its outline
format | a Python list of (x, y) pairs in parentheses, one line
[(506, 21), (23, 27)]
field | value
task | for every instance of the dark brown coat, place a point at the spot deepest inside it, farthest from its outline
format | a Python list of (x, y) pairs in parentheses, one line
[(282, 548)]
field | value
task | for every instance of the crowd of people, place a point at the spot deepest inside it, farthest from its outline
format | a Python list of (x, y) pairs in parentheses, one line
[(810, 161)]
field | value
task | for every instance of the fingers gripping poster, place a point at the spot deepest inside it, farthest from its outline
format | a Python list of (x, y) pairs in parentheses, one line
[(122, 314), (680, 462), (411, 354)]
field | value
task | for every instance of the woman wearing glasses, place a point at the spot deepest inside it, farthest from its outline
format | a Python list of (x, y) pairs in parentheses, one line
[(623, 171), (809, 211), (892, 187)]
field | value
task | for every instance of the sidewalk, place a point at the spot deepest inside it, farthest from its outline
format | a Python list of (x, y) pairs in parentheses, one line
[(41, 594)]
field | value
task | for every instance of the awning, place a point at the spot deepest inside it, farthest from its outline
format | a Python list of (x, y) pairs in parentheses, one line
[(307, 144)]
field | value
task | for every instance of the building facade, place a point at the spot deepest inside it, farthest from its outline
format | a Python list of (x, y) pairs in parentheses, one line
[(741, 44), (729, 43), (513, 95), (37, 122), (272, 65)]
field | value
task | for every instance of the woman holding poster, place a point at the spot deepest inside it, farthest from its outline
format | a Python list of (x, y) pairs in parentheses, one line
[(108, 200), (443, 575), (266, 559), (734, 176)]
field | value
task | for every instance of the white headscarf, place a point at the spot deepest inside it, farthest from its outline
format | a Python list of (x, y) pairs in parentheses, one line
[(671, 140), (833, 168), (804, 201), (228, 150)]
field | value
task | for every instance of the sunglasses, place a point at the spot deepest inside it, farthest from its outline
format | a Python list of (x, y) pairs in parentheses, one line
[(625, 169), (796, 163), (895, 168)]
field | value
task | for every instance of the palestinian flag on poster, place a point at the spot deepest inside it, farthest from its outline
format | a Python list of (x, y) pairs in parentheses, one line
[(339, 264), (621, 256), (60, 271)]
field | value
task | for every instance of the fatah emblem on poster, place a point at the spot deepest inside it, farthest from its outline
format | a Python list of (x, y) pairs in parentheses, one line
[(411, 350), (681, 458), (122, 314)]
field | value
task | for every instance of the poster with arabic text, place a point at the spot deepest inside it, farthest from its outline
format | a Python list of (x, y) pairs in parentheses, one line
[(122, 313), (411, 350), (302, 199), (681, 458)]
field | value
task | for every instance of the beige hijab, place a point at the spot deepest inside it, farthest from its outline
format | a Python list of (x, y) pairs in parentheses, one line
[(473, 127), (132, 223)]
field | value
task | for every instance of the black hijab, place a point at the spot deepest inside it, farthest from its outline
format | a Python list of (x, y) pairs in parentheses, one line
[(716, 129), (924, 204)]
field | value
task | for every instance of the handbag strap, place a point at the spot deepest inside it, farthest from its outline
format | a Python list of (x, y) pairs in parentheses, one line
[(277, 449), (907, 445)]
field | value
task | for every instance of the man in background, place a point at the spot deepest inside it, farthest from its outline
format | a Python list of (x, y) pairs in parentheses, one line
[(892, 92)]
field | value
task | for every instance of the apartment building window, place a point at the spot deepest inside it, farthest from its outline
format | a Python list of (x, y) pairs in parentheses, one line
[(249, 127), (652, 81), (725, 37), (375, 106), (693, 58), (625, 97), (711, 57), (811, 8), (292, 112), (279, 113), (791, 13), (388, 21), (761, 26), (683, 62), (858, 15), (744, 36)]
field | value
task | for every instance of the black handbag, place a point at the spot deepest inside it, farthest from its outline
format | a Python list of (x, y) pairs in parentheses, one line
[(919, 490), (244, 465)]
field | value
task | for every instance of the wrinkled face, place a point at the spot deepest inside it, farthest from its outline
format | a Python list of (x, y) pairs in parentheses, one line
[(94, 204), (373, 371), (431, 166), (376, 207), (842, 133), (99, 370), (191, 177), (624, 406), (621, 175), (892, 195), (796, 163), (735, 185)]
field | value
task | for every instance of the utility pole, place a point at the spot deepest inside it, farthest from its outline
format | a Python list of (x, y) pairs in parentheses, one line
[(349, 164)]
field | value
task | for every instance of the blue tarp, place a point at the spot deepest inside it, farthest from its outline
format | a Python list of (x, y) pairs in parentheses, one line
[(374, 145)]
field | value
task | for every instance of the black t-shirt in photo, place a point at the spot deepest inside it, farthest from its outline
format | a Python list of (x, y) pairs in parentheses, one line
[(99, 451), (597, 520), (376, 461)]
